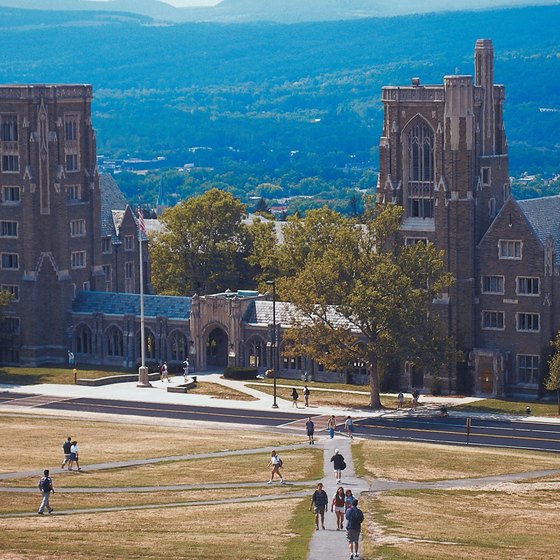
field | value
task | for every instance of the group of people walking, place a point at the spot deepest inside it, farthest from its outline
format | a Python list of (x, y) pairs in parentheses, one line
[(71, 454), (295, 396)]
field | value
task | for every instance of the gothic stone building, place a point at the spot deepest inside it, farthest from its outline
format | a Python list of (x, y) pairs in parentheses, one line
[(443, 157)]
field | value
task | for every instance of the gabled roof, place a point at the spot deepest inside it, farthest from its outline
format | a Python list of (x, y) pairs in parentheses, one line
[(112, 199), (544, 216), (112, 303)]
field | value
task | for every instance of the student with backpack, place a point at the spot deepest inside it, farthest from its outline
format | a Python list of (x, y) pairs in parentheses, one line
[(66, 449), (354, 520), (46, 487), (319, 504)]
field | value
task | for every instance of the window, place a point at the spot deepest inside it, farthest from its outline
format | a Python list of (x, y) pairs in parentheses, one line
[(11, 289), (73, 192), (528, 368), (77, 228), (72, 162), (528, 322), (86, 286), (10, 261), (414, 240), (493, 284), (509, 249), (108, 278), (114, 342), (11, 194), (12, 325), (70, 130), (528, 286), (106, 245), (420, 171), (82, 340), (485, 176), (129, 277), (9, 129), (78, 259), (493, 320), (8, 229), (129, 242), (492, 207), (10, 164)]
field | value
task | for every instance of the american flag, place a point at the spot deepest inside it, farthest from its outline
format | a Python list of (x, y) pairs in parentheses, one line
[(141, 222)]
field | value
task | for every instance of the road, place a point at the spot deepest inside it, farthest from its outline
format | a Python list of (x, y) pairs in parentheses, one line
[(451, 430)]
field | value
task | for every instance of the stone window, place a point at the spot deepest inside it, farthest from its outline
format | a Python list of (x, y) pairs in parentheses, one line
[(178, 347), (12, 325), (509, 249), (485, 176), (493, 320), (72, 162), (10, 164), (114, 342), (256, 353), (409, 241), (493, 284), (129, 277), (108, 279), (11, 194), (528, 369), (77, 228), (9, 128), (106, 246), (528, 286), (78, 259), (82, 340), (71, 129), (73, 193), (492, 208), (8, 229), (10, 261), (129, 242), (528, 322), (293, 363), (420, 181), (11, 289)]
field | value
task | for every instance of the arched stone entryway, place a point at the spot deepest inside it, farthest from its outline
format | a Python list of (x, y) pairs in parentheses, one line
[(217, 348)]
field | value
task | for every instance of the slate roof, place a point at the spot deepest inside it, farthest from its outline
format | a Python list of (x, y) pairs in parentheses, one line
[(544, 216), (112, 303), (112, 199), (260, 313)]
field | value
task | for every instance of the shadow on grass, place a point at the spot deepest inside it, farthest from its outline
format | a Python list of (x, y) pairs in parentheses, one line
[(60, 375)]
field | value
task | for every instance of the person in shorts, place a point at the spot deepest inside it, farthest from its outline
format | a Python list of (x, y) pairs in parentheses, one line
[(66, 450), (319, 504), (275, 464), (349, 427), (310, 429), (338, 464), (354, 520), (338, 505), (306, 393)]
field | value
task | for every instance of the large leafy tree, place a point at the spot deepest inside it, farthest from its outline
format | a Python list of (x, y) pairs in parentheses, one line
[(360, 294), (552, 381), (202, 247)]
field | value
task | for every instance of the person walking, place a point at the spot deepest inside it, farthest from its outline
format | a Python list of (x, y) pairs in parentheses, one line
[(339, 465), (354, 520), (164, 372), (275, 465), (319, 504), (306, 393), (74, 456), (185, 369), (295, 397), (349, 426), (348, 499), (66, 449), (415, 397), (46, 487), (400, 400), (338, 505), (310, 429), (331, 425)]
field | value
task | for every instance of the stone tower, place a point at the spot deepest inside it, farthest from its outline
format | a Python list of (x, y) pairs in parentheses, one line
[(49, 214), (443, 157)]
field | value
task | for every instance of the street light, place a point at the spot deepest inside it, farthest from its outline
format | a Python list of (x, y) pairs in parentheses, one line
[(274, 349)]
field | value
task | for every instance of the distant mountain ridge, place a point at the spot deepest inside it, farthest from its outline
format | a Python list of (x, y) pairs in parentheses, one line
[(280, 11)]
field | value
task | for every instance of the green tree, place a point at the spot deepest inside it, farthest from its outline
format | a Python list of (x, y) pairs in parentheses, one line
[(360, 294), (552, 381), (201, 247)]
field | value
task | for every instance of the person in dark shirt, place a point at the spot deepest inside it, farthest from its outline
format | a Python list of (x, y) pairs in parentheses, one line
[(339, 465), (46, 487), (310, 429), (66, 449), (319, 503), (354, 520)]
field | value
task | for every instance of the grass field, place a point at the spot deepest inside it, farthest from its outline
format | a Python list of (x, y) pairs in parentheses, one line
[(506, 406)]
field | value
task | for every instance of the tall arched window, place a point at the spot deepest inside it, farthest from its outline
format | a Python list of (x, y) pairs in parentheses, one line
[(114, 342), (82, 338), (179, 349), (256, 352), (150, 341), (420, 171)]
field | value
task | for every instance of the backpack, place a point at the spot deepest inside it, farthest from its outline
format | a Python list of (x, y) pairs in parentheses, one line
[(280, 462), (45, 484)]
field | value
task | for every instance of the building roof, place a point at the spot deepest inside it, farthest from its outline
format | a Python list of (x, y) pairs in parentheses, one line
[(543, 215), (112, 199), (112, 303)]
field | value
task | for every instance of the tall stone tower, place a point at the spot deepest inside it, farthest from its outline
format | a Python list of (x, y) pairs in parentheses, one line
[(443, 157), (49, 214)]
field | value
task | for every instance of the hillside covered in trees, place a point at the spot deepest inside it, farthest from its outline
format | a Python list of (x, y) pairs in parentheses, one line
[(296, 106)]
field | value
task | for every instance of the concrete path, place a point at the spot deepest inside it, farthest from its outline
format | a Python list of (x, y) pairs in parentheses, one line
[(331, 543)]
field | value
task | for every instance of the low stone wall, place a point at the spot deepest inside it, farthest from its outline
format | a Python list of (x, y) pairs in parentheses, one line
[(109, 380), (183, 387)]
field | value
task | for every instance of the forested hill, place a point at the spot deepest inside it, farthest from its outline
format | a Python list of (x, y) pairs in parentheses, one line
[(282, 96)]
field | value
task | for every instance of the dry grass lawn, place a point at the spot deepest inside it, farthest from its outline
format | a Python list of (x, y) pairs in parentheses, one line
[(463, 525), (101, 442), (220, 532), (299, 464), (217, 391), (20, 502), (420, 462)]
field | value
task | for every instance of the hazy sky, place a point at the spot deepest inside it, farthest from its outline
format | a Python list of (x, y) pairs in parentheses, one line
[(191, 3)]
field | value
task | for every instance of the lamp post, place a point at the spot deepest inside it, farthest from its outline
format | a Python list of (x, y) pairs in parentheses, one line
[(274, 348)]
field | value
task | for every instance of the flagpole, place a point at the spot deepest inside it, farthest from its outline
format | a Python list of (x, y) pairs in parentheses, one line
[(143, 377)]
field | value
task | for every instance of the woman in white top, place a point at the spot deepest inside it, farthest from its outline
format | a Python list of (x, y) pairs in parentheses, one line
[(275, 463), (74, 456)]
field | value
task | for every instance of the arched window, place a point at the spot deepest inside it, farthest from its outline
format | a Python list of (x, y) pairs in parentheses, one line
[(420, 187), (150, 348), (82, 339), (114, 342), (256, 352), (179, 349)]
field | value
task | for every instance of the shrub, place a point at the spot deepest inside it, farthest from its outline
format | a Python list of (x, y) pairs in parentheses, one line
[(240, 373)]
